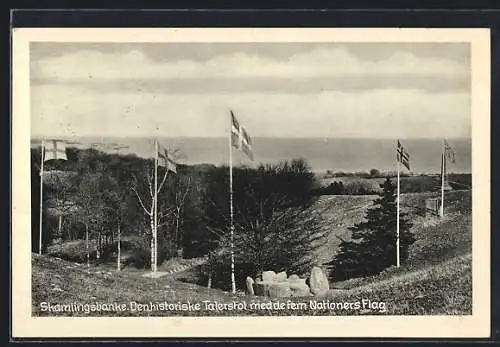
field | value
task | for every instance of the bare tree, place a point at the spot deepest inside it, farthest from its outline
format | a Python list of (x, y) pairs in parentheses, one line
[(182, 190), (147, 199), (90, 210), (62, 189)]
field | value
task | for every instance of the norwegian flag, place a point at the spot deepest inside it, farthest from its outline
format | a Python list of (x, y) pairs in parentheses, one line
[(403, 156), (240, 138)]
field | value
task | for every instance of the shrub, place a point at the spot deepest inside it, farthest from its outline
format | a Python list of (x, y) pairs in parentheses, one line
[(372, 248)]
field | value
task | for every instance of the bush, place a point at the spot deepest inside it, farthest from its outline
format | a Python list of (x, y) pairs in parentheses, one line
[(272, 231), (373, 244), (374, 173)]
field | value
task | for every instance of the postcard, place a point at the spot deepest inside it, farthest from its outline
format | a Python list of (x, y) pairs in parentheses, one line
[(250, 182)]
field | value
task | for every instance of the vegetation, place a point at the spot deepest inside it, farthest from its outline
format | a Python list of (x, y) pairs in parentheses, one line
[(280, 224), (361, 185), (272, 230), (108, 193), (372, 245)]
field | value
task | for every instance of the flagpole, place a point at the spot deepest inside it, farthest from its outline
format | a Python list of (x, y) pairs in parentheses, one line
[(42, 156), (155, 202), (441, 209), (233, 282), (397, 217)]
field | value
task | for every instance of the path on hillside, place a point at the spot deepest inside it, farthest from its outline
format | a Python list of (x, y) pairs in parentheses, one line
[(185, 264)]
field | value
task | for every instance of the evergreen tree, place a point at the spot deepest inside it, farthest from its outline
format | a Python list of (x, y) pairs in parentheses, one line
[(373, 244)]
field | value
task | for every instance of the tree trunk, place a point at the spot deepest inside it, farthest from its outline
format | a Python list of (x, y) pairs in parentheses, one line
[(209, 262), (87, 243), (177, 231), (152, 243), (60, 230), (181, 231), (98, 254), (118, 261)]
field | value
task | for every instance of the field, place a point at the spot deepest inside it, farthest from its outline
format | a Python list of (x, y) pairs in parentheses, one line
[(436, 280)]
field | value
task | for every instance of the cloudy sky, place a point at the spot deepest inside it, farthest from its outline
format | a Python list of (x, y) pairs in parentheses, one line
[(385, 90)]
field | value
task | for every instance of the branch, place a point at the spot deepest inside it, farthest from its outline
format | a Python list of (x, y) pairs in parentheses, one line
[(219, 234), (150, 183), (163, 181), (140, 201), (167, 210), (188, 185), (340, 238)]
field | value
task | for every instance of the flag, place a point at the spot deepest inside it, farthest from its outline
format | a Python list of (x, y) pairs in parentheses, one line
[(449, 152), (240, 138), (54, 149), (165, 160), (403, 156)]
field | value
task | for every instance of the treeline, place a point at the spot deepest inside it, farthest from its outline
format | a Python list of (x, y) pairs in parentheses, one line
[(373, 173), (413, 184), (97, 195), (350, 188)]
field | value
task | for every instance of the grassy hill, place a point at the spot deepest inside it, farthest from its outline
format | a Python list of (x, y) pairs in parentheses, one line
[(435, 280)]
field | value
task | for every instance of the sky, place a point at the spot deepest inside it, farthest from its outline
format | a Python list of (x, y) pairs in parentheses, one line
[(368, 90)]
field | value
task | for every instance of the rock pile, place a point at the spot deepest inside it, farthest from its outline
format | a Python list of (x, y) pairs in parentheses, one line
[(279, 285)]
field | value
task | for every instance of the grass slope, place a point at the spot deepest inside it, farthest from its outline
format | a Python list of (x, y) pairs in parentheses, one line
[(436, 280)]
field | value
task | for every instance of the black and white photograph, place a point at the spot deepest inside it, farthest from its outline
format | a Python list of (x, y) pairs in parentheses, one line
[(253, 178)]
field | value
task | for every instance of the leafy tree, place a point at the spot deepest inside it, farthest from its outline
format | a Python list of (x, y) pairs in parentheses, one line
[(274, 230), (374, 173), (60, 186), (90, 209), (373, 244)]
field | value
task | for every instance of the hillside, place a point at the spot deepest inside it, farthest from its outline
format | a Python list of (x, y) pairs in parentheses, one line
[(449, 236), (435, 280), (339, 213)]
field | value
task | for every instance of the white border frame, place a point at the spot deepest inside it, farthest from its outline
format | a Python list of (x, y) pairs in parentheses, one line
[(476, 325)]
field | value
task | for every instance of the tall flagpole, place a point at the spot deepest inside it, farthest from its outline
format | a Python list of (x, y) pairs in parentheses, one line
[(42, 156), (155, 202), (397, 217), (441, 209), (233, 282)]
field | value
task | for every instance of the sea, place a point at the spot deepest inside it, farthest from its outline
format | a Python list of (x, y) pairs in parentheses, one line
[(322, 154)]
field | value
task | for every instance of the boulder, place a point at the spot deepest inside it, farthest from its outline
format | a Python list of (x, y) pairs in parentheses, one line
[(299, 289), (281, 276), (297, 280), (261, 288), (279, 290), (268, 276), (293, 278), (250, 283), (318, 281)]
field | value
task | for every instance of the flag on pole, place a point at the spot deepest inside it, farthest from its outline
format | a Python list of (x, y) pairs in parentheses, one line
[(449, 152), (165, 160), (54, 149), (240, 138), (403, 156)]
